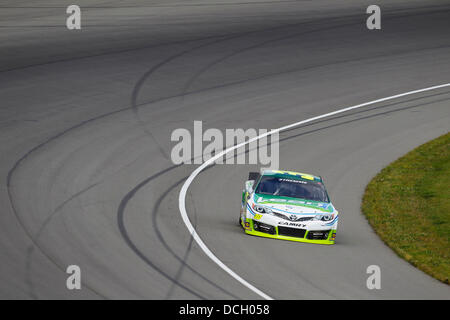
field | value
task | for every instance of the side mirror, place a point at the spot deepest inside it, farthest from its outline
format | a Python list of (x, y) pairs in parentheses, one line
[(249, 186)]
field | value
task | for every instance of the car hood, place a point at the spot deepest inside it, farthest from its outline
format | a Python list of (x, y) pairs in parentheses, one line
[(292, 205)]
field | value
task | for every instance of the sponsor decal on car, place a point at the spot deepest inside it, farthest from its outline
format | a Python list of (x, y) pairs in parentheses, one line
[(291, 224)]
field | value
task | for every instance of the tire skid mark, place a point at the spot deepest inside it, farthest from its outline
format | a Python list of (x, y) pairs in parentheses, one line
[(298, 124), (284, 139), (153, 46), (134, 107), (169, 249), (18, 162), (121, 224), (38, 234)]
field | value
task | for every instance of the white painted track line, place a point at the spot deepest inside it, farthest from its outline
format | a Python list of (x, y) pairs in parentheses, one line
[(195, 173)]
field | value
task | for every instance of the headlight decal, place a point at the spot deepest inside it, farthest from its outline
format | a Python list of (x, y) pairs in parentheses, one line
[(261, 209), (332, 222), (324, 217)]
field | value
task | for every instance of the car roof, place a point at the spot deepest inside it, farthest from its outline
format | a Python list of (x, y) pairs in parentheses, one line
[(291, 175)]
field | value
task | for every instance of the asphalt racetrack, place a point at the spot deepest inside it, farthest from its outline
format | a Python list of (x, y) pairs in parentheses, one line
[(86, 118)]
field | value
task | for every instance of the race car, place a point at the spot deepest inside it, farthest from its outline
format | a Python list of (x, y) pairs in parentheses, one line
[(288, 205)]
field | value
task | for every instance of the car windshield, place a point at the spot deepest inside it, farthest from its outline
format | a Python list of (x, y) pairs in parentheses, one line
[(308, 190)]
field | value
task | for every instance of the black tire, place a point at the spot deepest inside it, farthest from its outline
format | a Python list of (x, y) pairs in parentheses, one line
[(253, 176)]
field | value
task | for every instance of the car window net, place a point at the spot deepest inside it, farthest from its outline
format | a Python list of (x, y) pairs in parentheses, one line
[(314, 191)]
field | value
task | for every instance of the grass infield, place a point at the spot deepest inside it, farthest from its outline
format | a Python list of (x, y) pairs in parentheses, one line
[(408, 206)]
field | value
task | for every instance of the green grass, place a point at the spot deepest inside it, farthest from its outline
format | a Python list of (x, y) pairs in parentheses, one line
[(408, 205)]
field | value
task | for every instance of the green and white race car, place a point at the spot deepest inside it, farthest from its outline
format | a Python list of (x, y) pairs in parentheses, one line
[(289, 206)]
